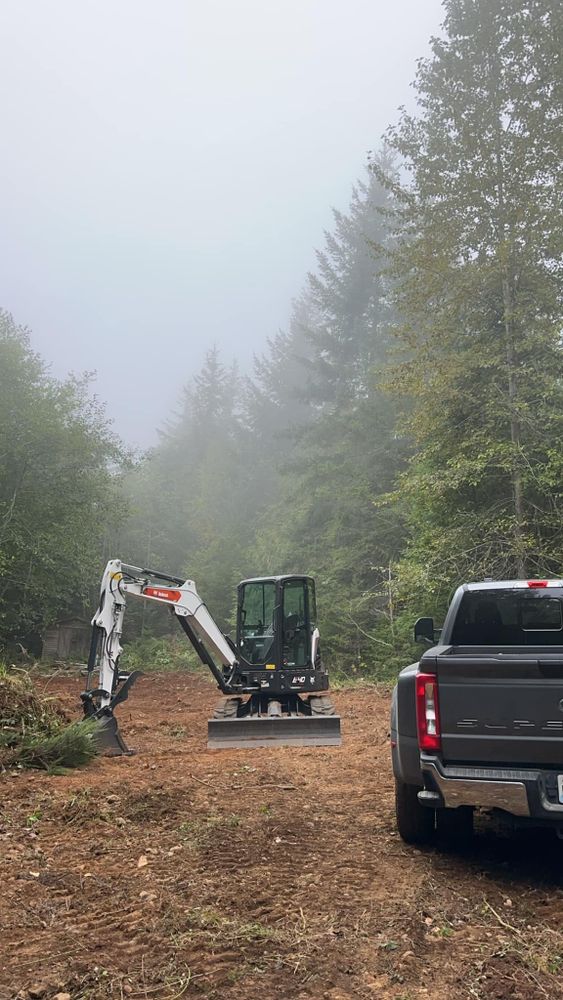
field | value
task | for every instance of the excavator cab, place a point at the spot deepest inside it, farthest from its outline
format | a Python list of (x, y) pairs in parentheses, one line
[(279, 664), (276, 622)]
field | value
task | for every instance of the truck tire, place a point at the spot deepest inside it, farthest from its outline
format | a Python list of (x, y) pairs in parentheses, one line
[(416, 824), (455, 826)]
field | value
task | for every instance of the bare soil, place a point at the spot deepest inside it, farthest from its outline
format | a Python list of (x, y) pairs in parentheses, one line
[(253, 875)]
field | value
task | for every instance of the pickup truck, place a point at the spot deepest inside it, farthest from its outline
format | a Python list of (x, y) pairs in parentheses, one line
[(477, 723)]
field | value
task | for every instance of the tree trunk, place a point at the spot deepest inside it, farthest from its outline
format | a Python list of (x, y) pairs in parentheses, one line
[(515, 428), (505, 242)]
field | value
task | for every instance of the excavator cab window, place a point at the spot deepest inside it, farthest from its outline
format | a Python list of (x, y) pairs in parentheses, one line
[(256, 621), (296, 637)]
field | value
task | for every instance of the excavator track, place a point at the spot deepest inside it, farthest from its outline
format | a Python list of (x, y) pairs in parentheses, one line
[(272, 722)]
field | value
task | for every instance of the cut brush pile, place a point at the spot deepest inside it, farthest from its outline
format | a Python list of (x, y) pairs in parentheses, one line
[(35, 731)]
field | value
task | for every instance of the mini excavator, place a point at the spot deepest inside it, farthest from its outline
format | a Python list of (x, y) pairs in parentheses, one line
[(272, 678)]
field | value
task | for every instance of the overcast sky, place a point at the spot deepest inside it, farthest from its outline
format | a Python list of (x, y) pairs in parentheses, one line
[(169, 166)]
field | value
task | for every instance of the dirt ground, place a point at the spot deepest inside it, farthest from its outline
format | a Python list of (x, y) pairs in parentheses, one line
[(254, 875)]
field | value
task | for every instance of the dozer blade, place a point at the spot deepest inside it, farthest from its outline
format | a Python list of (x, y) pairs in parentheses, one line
[(108, 739), (268, 731)]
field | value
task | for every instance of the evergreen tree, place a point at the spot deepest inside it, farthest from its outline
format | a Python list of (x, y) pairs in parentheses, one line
[(477, 263), (278, 397), (59, 490), (346, 454), (193, 496), (351, 334)]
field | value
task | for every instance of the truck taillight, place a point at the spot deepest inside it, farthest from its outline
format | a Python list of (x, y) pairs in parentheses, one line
[(427, 712)]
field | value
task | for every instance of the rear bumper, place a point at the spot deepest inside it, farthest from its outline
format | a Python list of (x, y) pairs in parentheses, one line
[(525, 793)]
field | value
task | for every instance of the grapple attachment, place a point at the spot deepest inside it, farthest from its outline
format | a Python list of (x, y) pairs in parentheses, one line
[(267, 722), (108, 738)]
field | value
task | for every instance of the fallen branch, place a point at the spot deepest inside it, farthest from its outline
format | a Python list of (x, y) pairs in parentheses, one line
[(284, 788), (201, 781), (502, 922)]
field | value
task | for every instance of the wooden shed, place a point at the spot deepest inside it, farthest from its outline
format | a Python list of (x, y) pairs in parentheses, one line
[(68, 639)]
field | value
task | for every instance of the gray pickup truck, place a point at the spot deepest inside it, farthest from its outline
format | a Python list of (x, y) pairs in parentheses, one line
[(477, 723)]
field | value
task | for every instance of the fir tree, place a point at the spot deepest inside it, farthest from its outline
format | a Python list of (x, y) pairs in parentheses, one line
[(477, 263)]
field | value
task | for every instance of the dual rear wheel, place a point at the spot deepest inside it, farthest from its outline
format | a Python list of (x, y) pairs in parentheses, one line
[(418, 824)]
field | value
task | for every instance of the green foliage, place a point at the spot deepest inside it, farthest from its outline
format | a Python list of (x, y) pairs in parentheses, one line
[(70, 746), (477, 282), (21, 708), (159, 653), (34, 732), (350, 327), (192, 499), (277, 399), (58, 489), (325, 521)]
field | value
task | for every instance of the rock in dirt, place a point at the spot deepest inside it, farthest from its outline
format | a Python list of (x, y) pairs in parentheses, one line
[(408, 956), (37, 991)]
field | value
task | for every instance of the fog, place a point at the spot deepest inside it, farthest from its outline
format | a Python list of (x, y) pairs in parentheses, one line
[(168, 169)]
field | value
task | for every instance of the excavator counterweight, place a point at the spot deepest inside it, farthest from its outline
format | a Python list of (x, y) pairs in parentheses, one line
[(272, 678)]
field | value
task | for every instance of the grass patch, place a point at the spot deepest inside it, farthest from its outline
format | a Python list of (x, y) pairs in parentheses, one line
[(83, 808), (538, 947), (198, 832), (342, 681), (206, 922)]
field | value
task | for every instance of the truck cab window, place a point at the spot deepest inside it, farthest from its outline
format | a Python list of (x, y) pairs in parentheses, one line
[(509, 618)]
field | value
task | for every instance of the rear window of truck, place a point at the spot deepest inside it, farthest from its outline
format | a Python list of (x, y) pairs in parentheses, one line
[(510, 618)]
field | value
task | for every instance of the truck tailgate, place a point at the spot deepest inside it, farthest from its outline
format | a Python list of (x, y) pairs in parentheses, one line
[(504, 708)]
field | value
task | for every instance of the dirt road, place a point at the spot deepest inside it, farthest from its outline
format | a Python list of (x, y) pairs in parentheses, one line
[(255, 875)]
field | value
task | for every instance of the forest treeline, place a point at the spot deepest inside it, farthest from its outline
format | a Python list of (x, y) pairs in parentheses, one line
[(405, 433)]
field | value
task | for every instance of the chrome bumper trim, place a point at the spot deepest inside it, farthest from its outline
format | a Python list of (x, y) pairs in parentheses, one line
[(508, 795), (554, 807)]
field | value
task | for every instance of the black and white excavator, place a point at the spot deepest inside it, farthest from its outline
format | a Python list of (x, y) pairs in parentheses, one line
[(272, 677)]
